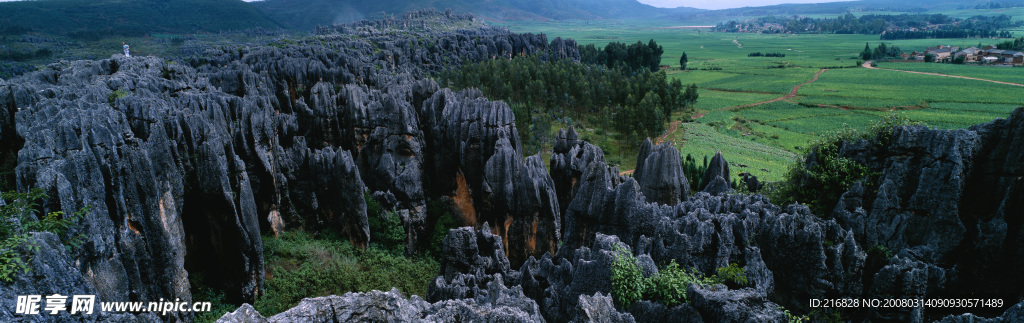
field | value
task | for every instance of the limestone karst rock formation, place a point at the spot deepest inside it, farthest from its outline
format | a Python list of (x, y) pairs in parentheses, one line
[(187, 165)]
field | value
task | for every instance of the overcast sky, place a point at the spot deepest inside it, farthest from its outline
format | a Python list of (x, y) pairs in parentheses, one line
[(725, 4)]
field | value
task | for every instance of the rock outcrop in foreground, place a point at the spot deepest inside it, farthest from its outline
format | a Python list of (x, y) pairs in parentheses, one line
[(185, 166)]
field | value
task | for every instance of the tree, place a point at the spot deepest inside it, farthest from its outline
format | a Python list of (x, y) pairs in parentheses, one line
[(654, 55), (690, 96), (928, 57), (682, 61), (880, 52), (649, 114), (866, 53)]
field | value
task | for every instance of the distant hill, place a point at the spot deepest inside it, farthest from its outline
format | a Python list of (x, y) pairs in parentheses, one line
[(98, 18), (834, 8), (306, 14)]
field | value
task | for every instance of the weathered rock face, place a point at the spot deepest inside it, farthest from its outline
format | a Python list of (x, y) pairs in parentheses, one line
[(391, 306), (185, 165), (659, 171), (599, 308), (716, 178), (724, 305), (149, 164), (946, 203), (477, 164)]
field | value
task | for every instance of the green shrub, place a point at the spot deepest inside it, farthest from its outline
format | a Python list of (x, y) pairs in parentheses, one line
[(628, 282), (734, 274), (18, 218), (669, 285), (792, 318), (386, 230)]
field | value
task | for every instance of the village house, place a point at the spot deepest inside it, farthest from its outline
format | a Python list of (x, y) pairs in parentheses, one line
[(987, 55), (942, 52), (1000, 56), (970, 55)]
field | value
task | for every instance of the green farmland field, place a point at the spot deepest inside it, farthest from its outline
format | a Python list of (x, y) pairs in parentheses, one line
[(734, 117)]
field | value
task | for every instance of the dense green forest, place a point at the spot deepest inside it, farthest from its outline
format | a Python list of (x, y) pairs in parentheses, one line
[(634, 102)]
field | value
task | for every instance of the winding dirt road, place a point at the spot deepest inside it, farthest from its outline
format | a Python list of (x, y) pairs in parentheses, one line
[(792, 94), (868, 66)]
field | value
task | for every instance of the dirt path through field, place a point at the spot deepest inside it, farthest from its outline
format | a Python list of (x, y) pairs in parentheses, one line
[(671, 129), (868, 66), (792, 94)]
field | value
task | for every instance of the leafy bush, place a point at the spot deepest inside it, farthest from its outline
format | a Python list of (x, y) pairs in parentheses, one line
[(734, 274), (628, 283), (792, 318), (386, 230), (299, 265), (668, 286), (18, 218)]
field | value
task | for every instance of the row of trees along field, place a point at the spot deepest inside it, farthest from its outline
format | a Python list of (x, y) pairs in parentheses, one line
[(880, 52), (636, 103), (910, 26)]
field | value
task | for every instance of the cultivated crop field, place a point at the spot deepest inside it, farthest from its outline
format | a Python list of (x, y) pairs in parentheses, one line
[(763, 161), (1005, 74), (734, 114), (867, 88)]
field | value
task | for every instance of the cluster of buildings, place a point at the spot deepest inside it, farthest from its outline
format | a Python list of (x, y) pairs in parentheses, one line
[(985, 55)]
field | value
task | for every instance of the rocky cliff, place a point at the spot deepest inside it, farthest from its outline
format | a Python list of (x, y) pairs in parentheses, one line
[(185, 165)]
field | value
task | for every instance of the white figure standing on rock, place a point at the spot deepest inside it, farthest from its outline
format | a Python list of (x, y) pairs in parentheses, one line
[(125, 50)]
